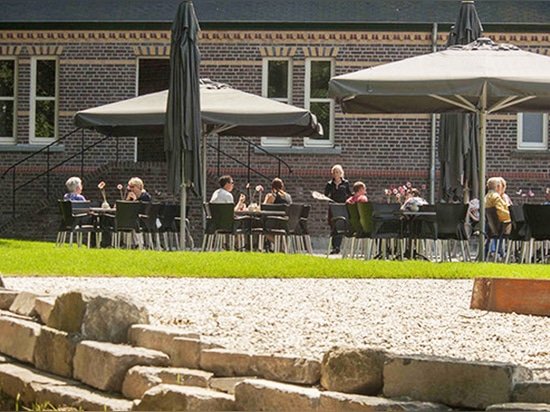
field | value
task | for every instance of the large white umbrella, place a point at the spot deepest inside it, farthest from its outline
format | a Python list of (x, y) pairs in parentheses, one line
[(481, 77)]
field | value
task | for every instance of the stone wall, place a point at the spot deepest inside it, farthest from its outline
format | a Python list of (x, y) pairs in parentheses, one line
[(95, 350)]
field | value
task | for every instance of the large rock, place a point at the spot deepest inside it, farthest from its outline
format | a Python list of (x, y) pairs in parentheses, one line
[(455, 383), (186, 351), (81, 398), (531, 392), (288, 369), (140, 379), (99, 315), (184, 398), (104, 365), (6, 298), (353, 370), (24, 304), (157, 337), (341, 402), (43, 306), (54, 351), (263, 395), (18, 338)]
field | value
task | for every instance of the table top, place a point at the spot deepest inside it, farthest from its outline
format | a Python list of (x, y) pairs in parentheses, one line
[(261, 212), (419, 213), (102, 209)]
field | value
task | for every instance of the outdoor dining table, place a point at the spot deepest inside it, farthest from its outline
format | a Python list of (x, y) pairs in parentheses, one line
[(257, 221), (413, 220)]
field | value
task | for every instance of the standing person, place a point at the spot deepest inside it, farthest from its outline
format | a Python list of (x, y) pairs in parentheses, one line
[(338, 189), (136, 190), (278, 194), (74, 190), (359, 194), (224, 195)]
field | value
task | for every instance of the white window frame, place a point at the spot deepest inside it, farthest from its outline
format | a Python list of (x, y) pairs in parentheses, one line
[(277, 141), (34, 98), (329, 134), (11, 139), (529, 145)]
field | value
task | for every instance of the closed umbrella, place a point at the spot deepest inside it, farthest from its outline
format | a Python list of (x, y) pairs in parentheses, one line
[(182, 133), (458, 133)]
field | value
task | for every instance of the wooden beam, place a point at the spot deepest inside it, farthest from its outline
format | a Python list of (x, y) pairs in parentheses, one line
[(523, 296)]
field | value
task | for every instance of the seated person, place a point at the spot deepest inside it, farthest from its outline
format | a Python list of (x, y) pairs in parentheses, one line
[(413, 200), (359, 193), (494, 198), (136, 190), (224, 195), (278, 194), (547, 196), (74, 190)]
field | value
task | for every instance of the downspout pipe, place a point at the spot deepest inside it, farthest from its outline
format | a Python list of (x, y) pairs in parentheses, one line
[(433, 130)]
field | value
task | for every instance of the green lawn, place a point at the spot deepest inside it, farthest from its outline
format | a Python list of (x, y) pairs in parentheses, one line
[(44, 259)]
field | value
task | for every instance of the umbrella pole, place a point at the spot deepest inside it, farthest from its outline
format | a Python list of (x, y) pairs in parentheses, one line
[(183, 203), (482, 143)]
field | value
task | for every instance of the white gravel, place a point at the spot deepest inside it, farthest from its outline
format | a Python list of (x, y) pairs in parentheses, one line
[(308, 316)]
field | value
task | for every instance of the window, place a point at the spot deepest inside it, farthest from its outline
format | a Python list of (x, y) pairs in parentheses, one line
[(44, 99), (277, 85), (7, 100), (318, 74), (532, 131)]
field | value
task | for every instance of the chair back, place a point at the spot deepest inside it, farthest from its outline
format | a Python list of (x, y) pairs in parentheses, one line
[(339, 220), (306, 208), (365, 217), (294, 212), (80, 206), (494, 227), (387, 223), (223, 218), (168, 214), (66, 209), (149, 214), (277, 207), (450, 219), (520, 228), (354, 220), (538, 220), (127, 215)]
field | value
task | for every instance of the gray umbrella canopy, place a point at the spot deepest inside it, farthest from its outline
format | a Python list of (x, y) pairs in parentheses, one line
[(182, 135), (458, 133), (481, 77)]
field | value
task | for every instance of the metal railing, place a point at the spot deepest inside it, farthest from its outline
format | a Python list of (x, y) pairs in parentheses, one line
[(250, 147), (46, 151)]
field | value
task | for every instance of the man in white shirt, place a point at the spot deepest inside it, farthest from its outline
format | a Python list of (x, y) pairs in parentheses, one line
[(224, 195)]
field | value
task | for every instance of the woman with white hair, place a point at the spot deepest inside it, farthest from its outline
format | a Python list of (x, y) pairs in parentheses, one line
[(338, 189), (74, 190), (136, 190)]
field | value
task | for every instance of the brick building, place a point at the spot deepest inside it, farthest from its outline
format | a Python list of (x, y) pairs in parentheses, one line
[(58, 57)]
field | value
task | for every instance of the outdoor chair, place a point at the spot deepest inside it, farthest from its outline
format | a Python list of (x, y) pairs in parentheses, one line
[(367, 224), (127, 230), (304, 229), (276, 227), (339, 226), (538, 221), (451, 220), (168, 226), (496, 233), (149, 224), (75, 224), (519, 238), (294, 229), (388, 230), (224, 229), (423, 233)]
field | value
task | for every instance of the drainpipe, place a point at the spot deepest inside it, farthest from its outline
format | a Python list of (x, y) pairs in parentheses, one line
[(434, 131)]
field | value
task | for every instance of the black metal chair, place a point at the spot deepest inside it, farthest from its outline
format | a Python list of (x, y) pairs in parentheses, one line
[(168, 214), (519, 237), (127, 230), (367, 224), (538, 221), (496, 231), (75, 224), (423, 233), (388, 230), (227, 230), (296, 242), (451, 219), (339, 225), (304, 229), (150, 223)]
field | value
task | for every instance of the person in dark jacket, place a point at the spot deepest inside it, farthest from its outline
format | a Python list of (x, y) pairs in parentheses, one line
[(338, 189)]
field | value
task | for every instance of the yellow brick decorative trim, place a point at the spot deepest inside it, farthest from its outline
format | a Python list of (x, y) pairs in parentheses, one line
[(320, 51), (10, 50), (274, 51), (44, 50), (100, 62), (151, 51)]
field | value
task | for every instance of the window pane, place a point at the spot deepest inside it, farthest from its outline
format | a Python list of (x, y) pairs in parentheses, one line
[(277, 83), (45, 78), (532, 128), (322, 111), (154, 75), (6, 118), (7, 68), (320, 76), (45, 119)]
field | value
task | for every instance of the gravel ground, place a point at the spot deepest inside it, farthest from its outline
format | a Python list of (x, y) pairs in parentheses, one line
[(308, 316)]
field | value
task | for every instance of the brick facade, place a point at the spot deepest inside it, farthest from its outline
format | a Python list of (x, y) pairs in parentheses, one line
[(99, 67)]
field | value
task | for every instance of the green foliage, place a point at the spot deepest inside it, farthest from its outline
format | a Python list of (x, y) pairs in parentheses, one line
[(44, 259)]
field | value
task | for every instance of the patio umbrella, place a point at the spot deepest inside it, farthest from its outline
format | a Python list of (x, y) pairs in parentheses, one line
[(481, 77), (458, 133), (182, 133)]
